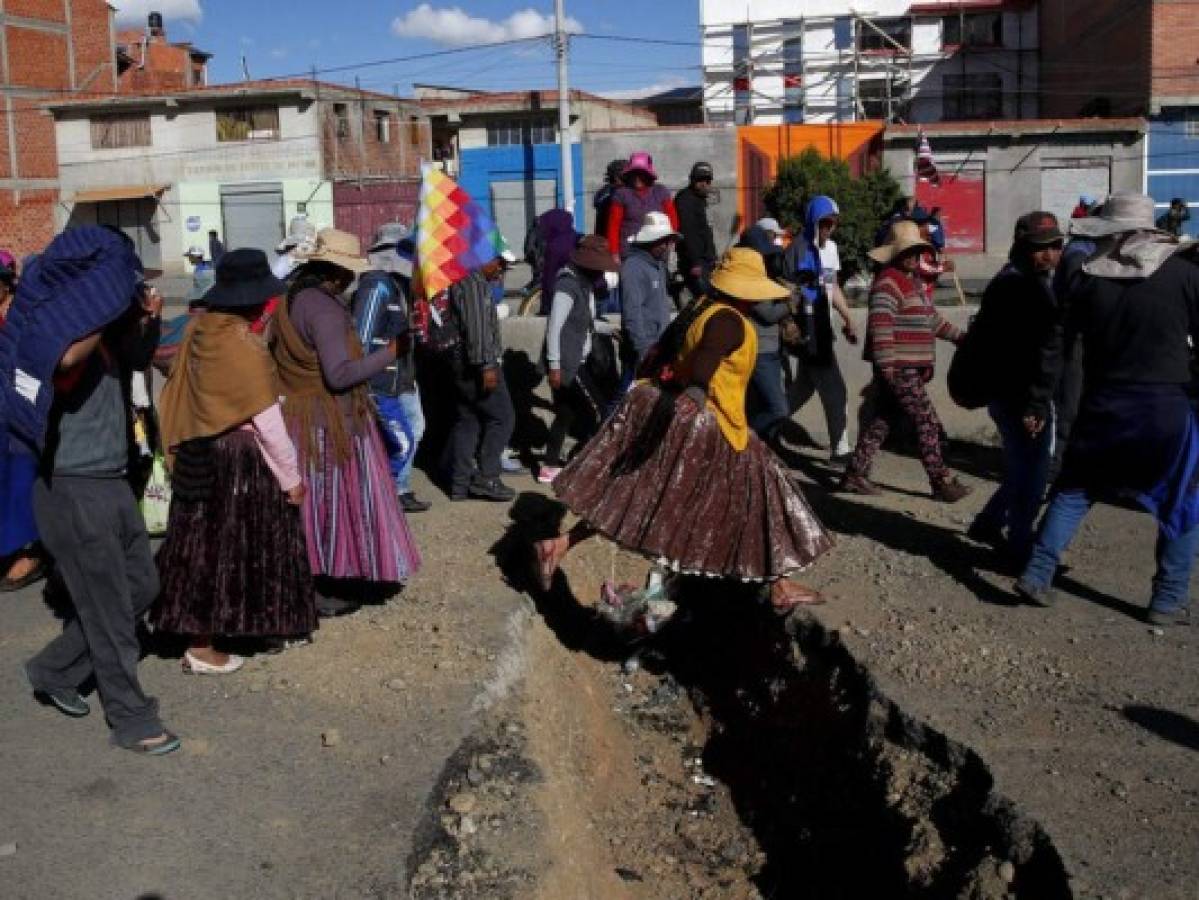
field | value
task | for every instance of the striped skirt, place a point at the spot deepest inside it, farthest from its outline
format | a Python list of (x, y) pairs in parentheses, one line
[(353, 523)]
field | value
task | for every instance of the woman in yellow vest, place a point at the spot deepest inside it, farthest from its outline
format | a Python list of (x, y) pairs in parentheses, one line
[(677, 475)]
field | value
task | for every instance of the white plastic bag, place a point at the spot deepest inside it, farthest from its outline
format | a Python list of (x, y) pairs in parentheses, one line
[(156, 499)]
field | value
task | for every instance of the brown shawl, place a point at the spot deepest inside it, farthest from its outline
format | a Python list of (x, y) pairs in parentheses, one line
[(307, 399), (222, 377)]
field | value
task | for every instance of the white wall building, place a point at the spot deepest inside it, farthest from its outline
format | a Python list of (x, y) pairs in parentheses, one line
[(771, 62)]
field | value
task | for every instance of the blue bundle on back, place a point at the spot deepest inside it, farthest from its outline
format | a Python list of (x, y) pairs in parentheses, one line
[(85, 279)]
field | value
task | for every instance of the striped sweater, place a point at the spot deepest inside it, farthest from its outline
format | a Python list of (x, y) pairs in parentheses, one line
[(903, 324)]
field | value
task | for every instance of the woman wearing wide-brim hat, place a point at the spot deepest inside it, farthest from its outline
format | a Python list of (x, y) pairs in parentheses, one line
[(581, 387), (355, 528), (901, 334), (677, 475), (234, 562)]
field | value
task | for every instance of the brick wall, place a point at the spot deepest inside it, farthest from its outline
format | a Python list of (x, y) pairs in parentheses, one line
[(1095, 56), (359, 152), (72, 52), (1175, 48)]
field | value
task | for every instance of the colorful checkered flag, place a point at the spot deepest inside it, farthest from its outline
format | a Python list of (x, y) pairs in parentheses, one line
[(926, 165), (454, 234)]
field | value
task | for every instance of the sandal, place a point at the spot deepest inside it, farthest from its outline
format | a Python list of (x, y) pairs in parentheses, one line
[(545, 561), (795, 595), (37, 573), (162, 745)]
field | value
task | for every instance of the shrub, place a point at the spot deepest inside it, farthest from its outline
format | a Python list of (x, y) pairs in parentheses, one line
[(864, 201)]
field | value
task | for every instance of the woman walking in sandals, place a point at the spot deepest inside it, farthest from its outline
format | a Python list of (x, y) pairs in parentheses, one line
[(234, 562), (676, 474)]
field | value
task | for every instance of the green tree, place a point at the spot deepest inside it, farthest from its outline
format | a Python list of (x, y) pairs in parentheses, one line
[(864, 202)]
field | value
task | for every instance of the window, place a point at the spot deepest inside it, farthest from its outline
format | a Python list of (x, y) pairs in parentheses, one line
[(122, 130), (382, 126), (341, 118), (882, 98), (977, 96), (247, 123), (883, 34), (974, 30), (1191, 131), (514, 132), (793, 87)]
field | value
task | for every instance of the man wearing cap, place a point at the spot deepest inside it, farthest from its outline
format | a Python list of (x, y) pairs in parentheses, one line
[(645, 308), (1136, 310), (1014, 333), (382, 312), (697, 248)]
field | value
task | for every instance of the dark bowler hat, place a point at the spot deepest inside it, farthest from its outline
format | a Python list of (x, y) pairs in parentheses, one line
[(243, 279)]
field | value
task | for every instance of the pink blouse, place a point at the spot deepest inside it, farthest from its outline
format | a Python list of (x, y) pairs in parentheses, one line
[(276, 446)]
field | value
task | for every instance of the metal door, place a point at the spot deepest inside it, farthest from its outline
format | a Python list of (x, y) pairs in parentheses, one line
[(1063, 181), (962, 198), (252, 215), (515, 205), (135, 218)]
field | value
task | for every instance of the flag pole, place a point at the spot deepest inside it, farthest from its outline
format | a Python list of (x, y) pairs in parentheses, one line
[(561, 46)]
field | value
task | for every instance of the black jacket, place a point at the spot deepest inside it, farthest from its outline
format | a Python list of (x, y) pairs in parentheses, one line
[(698, 247), (1020, 327), (1136, 331)]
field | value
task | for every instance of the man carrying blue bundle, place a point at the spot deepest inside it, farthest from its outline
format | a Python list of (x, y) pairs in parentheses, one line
[(82, 322)]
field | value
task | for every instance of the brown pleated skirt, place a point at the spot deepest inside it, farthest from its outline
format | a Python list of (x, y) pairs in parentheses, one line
[(672, 488), (234, 561)]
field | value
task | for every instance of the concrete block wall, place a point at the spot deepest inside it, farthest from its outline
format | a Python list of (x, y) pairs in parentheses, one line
[(674, 151)]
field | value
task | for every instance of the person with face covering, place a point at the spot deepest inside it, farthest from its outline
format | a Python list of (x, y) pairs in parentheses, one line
[(767, 399), (355, 530), (1017, 320), (900, 343), (815, 263), (1136, 312), (559, 238), (677, 475), (697, 247)]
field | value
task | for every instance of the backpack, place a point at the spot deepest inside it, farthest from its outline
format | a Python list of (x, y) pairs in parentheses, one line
[(972, 372)]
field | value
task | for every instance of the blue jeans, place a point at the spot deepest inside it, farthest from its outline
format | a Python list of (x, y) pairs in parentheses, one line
[(1067, 509), (769, 398), (1016, 501), (402, 421)]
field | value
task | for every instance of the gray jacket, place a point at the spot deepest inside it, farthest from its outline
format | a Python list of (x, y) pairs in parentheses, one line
[(765, 318), (645, 308)]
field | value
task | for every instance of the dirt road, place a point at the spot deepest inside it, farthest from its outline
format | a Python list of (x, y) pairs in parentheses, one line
[(493, 748)]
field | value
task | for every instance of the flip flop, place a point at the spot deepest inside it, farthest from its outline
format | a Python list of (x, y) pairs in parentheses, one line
[(7, 585), (169, 745), (801, 597)]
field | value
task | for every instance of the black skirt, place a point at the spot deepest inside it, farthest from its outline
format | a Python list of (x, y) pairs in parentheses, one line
[(234, 562)]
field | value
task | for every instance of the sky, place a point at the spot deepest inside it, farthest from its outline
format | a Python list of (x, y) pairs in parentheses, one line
[(289, 37)]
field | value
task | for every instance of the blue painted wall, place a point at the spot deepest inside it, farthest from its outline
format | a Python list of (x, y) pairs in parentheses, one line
[(1173, 162), (481, 166)]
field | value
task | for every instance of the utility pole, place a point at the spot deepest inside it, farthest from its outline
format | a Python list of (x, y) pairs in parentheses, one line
[(561, 42)]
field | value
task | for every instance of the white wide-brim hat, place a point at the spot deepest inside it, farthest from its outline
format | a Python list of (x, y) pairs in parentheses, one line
[(654, 227)]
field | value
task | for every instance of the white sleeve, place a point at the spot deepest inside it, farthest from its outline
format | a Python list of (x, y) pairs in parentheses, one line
[(563, 303)]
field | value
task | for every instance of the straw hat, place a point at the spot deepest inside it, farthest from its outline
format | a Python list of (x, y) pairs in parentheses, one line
[(904, 236), (654, 227), (742, 276), (339, 248)]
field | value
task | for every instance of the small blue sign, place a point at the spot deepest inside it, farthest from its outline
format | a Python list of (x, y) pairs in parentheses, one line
[(193, 223)]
